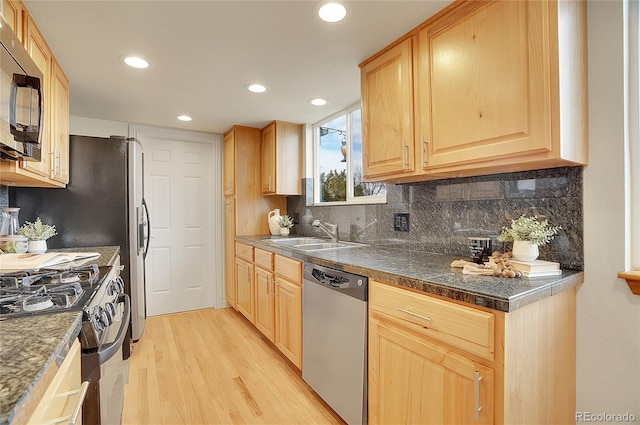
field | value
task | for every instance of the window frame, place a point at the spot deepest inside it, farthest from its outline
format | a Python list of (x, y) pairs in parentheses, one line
[(351, 199)]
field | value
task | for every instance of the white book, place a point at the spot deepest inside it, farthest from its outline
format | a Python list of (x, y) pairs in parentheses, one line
[(40, 261), (535, 266), (544, 273)]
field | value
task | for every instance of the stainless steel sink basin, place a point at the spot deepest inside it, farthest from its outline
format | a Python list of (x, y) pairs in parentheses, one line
[(310, 244), (295, 241)]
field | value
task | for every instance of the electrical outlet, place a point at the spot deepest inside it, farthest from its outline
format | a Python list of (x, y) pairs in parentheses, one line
[(401, 222)]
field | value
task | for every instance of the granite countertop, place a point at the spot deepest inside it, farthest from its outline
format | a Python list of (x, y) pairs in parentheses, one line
[(31, 350), (429, 272)]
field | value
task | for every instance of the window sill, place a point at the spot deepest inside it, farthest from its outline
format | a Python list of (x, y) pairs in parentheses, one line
[(633, 280)]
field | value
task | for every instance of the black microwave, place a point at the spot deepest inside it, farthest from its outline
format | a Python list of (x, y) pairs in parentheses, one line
[(21, 100)]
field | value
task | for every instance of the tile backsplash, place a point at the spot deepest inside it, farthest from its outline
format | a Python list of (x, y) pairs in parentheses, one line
[(443, 214)]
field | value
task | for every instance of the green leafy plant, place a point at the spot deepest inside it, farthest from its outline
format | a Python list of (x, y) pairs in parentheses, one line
[(37, 231), (285, 221), (529, 229)]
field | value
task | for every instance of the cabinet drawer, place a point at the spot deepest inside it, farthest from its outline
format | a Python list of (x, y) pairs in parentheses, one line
[(264, 259), (462, 327), (244, 251), (289, 269)]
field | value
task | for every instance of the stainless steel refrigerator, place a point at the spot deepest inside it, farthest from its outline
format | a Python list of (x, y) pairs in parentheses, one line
[(103, 204)]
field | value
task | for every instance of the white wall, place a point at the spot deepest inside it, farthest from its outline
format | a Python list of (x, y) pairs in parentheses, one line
[(608, 342), (97, 128)]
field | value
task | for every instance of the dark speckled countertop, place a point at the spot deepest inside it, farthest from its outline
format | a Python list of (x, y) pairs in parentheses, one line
[(429, 273), (30, 346)]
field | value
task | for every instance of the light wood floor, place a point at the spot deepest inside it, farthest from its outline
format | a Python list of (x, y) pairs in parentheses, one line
[(213, 367)]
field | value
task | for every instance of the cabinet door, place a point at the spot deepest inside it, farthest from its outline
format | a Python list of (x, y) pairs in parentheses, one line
[(12, 14), (387, 112), (288, 335), (245, 289), (42, 56), (269, 159), (414, 381), (265, 302), (59, 124), (229, 163), (484, 84), (229, 245)]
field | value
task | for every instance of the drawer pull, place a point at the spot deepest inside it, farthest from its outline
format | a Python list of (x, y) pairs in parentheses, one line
[(478, 408), (404, 310)]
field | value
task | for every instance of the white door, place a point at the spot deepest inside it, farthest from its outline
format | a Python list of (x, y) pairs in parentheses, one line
[(181, 183)]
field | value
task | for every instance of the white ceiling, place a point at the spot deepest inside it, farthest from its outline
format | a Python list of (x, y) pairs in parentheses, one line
[(203, 53)]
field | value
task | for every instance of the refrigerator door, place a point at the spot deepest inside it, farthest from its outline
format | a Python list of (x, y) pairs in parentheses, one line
[(138, 238)]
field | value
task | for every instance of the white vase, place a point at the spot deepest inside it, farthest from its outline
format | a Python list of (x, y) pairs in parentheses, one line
[(273, 218), (525, 251), (37, 247), (284, 231)]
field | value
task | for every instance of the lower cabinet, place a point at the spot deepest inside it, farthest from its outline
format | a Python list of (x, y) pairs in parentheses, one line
[(414, 381), (64, 396), (244, 289), (436, 361), (269, 294)]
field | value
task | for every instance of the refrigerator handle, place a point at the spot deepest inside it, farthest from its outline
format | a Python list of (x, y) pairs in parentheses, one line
[(148, 223)]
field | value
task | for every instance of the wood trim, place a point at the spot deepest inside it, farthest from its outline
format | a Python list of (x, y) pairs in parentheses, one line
[(633, 280)]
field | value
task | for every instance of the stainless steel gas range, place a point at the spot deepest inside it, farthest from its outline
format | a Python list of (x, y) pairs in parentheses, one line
[(98, 294)]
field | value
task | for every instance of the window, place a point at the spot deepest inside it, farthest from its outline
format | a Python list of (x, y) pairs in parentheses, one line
[(338, 161)]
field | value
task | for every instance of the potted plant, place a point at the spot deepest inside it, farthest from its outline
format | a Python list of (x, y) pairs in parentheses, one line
[(37, 233), (285, 222), (527, 233)]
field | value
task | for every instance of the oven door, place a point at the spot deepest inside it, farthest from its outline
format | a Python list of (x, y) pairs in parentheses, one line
[(107, 371), (114, 370)]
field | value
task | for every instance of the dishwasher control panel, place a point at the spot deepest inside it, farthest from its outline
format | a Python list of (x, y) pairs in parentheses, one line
[(349, 283)]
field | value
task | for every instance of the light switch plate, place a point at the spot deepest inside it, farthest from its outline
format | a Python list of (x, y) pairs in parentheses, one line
[(401, 222)]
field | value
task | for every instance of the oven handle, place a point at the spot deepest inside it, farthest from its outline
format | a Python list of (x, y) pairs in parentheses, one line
[(105, 353)]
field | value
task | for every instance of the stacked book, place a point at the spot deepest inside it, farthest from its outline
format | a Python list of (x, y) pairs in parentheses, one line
[(537, 268)]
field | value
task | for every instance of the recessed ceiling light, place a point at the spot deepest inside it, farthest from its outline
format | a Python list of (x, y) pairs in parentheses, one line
[(136, 62), (332, 12), (257, 88), (318, 101), (184, 118)]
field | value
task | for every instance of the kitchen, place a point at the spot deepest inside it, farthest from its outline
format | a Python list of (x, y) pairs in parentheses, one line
[(602, 385)]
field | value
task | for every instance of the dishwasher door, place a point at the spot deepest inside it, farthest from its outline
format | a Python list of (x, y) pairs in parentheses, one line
[(334, 339)]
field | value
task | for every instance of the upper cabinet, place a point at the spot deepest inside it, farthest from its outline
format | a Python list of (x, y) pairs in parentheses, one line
[(229, 163), (53, 168), (282, 159), (496, 87), (387, 112)]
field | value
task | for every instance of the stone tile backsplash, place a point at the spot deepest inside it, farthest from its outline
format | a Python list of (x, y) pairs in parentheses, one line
[(445, 213), (4, 196)]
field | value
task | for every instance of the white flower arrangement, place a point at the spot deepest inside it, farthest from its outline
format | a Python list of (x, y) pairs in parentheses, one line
[(37, 231), (285, 221), (529, 229)]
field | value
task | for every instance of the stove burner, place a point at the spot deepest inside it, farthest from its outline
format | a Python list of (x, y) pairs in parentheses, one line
[(37, 302)]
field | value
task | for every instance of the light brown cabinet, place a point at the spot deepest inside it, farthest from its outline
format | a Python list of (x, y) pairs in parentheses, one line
[(387, 112), (64, 394), (265, 293), (433, 360), (245, 208), (497, 87), (288, 308), (282, 159), (53, 168), (245, 289)]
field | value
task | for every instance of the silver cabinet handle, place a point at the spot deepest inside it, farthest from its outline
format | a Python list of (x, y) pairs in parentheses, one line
[(405, 155), (404, 310), (425, 152), (477, 406), (78, 408)]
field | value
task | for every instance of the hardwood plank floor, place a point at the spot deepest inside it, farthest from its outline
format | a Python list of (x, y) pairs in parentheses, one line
[(213, 367)]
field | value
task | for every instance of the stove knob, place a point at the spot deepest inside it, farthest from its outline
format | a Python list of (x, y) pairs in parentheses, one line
[(111, 289), (110, 308), (97, 324), (103, 317)]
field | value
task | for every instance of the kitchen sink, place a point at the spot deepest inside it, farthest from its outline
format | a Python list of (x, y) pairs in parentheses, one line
[(295, 241), (310, 244)]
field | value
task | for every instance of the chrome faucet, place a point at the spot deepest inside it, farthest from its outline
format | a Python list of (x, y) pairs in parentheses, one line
[(328, 228)]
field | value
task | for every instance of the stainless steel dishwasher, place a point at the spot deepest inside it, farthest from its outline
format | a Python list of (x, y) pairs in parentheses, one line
[(334, 339)]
